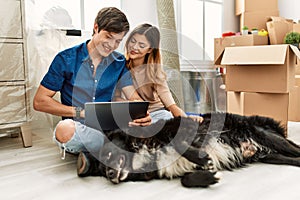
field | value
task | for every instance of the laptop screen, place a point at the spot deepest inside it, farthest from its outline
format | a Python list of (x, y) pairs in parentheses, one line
[(107, 116)]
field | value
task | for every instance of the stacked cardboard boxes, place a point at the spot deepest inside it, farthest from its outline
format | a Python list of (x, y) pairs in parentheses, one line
[(259, 79), (254, 13)]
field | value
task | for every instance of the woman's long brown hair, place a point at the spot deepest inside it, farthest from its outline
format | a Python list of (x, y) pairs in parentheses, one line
[(154, 70)]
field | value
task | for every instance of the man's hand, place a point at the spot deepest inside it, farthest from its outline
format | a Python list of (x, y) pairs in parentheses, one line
[(145, 121)]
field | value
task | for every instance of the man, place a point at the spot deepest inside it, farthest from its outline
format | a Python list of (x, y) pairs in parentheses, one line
[(90, 71)]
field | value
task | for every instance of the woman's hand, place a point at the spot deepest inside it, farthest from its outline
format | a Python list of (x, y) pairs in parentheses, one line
[(196, 118), (145, 121)]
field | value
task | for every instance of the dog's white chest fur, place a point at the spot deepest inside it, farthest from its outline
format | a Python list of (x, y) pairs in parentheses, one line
[(169, 163), (221, 154)]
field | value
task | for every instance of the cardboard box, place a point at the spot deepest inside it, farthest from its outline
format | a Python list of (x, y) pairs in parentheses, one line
[(294, 104), (297, 72), (266, 68), (242, 6), (277, 28), (264, 104), (297, 80), (256, 19), (242, 40), (296, 27)]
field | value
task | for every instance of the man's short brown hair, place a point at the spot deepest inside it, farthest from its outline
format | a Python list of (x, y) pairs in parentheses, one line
[(111, 19)]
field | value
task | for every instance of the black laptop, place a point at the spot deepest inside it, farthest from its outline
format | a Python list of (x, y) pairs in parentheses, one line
[(107, 116)]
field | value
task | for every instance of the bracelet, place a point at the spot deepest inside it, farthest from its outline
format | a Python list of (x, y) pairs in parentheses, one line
[(77, 112)]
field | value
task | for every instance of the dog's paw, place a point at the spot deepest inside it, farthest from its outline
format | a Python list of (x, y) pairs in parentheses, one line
[(199, 179), (248, 149)]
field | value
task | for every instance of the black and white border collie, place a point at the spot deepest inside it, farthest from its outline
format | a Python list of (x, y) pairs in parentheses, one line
[(193, 151)]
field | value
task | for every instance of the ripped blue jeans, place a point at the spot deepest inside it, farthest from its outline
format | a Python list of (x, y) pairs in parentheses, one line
[(84, 139)]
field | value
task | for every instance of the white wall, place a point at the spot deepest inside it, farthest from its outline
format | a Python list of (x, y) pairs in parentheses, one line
[(145, 11), (289, 9), (230, 21), (138, 12)]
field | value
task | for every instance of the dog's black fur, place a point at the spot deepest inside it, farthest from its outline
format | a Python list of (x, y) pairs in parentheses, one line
[(181, 147)]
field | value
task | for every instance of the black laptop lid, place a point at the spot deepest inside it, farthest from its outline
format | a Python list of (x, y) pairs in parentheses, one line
[(112, 115)]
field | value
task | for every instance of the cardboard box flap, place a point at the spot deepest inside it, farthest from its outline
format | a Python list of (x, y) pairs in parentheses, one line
[(218, 58), (276, 19), (239, 40), (295, 50), (255, 55)]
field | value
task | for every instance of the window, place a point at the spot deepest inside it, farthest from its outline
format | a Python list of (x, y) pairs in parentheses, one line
[(198, 23), (53, 14), (80, 13)]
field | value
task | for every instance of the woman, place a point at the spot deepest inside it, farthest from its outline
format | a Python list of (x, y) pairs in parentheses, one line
[(143, 59)]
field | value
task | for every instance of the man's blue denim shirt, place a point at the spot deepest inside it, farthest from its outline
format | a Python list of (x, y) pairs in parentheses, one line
[(71, 73)]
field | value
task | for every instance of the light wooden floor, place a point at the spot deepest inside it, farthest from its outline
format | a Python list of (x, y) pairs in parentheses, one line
[(39, 173)]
